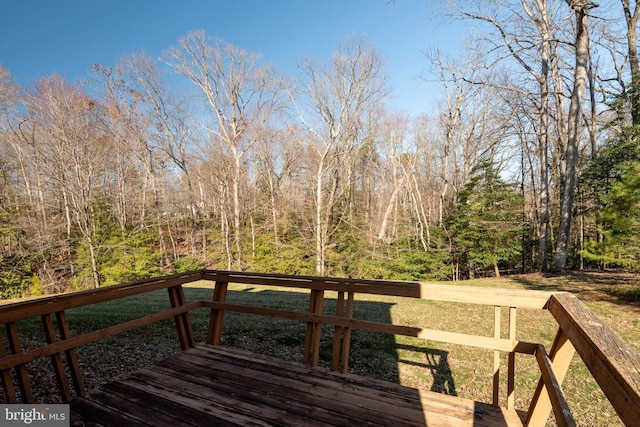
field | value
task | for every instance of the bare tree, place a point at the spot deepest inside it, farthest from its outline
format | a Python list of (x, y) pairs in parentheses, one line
[(169, 131), (510, 23), (574, 125), (392, 134), (631, 18), (335, 100), (72, 152), (241, 93)]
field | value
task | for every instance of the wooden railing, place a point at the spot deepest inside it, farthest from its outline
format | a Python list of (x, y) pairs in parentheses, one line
[(612, 362)]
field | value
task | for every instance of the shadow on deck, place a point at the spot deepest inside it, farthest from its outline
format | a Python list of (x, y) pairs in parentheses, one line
[(223, 386)]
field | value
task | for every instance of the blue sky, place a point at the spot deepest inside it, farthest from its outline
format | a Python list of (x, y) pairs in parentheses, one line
[(38, 38)]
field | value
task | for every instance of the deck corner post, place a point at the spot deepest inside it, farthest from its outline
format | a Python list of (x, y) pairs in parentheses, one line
[(216, 318), (183, 321), (346, 340)]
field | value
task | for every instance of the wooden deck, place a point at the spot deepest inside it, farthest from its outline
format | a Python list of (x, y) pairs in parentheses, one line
[(214, 385), (223, 386)]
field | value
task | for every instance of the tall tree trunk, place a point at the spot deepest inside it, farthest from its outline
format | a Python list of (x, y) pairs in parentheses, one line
[(236, 212), (573, 135), (319, 226), (387, 213), (632, 45), (543, 141)]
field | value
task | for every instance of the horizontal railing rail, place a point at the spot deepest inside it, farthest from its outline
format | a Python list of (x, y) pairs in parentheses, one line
[(612, 362)]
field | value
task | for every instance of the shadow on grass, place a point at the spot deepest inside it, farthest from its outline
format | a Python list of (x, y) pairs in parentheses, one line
[(617, 287), (371, 354), (437, 363)]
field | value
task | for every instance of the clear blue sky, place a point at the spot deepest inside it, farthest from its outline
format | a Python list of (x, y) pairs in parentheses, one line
[(38, 38)]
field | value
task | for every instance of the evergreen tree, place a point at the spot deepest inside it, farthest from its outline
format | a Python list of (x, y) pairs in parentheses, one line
[(613, 182), (486, 226), (620, 222)]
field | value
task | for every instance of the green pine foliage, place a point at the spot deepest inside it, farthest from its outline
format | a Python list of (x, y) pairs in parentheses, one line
[(486, 225), (621, 223), (614, 178), (15, 270), (187, 263), (122, 255), (128, 258), (289, 256)]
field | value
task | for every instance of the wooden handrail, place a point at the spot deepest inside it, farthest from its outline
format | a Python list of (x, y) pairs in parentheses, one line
[(477, 341), (38, 307), (429, 291), (23, 357), (612, 362)]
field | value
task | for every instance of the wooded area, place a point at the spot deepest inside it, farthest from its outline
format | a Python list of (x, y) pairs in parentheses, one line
[(208, 156)]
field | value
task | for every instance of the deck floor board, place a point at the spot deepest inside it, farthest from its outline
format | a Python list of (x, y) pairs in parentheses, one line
[(223, 386)]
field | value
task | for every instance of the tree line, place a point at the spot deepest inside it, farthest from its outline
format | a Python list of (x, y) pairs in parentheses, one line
[(208, 156)]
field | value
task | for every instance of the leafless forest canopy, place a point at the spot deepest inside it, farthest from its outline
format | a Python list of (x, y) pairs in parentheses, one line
[(208, 156)]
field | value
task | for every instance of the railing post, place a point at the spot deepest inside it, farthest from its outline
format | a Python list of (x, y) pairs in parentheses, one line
[(7, 381), (342, 335), (496, 357), (314, 329), (561, 353), (56, 359), (214, 334), (346, 340), (337, 334), (72, 359), (183, 321), (511, 368), (23, 376)]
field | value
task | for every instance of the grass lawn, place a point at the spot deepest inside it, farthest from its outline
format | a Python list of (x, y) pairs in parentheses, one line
[(435, 366)]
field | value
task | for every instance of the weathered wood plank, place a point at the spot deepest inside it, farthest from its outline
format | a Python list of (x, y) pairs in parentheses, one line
[(217, 382), (366, 388), (214, 333), (558, 402), (355, 384), (614, 364), (496, 357), (72, 358), (337, 334), (330, 396), (250, 393), (430, 291), (93, 410), (183, 324), (346, 343), (235, 399), (488, 343), (21, 369), (561, 353), (40, 306), (155, 398), (56, 359), (511, 363)]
